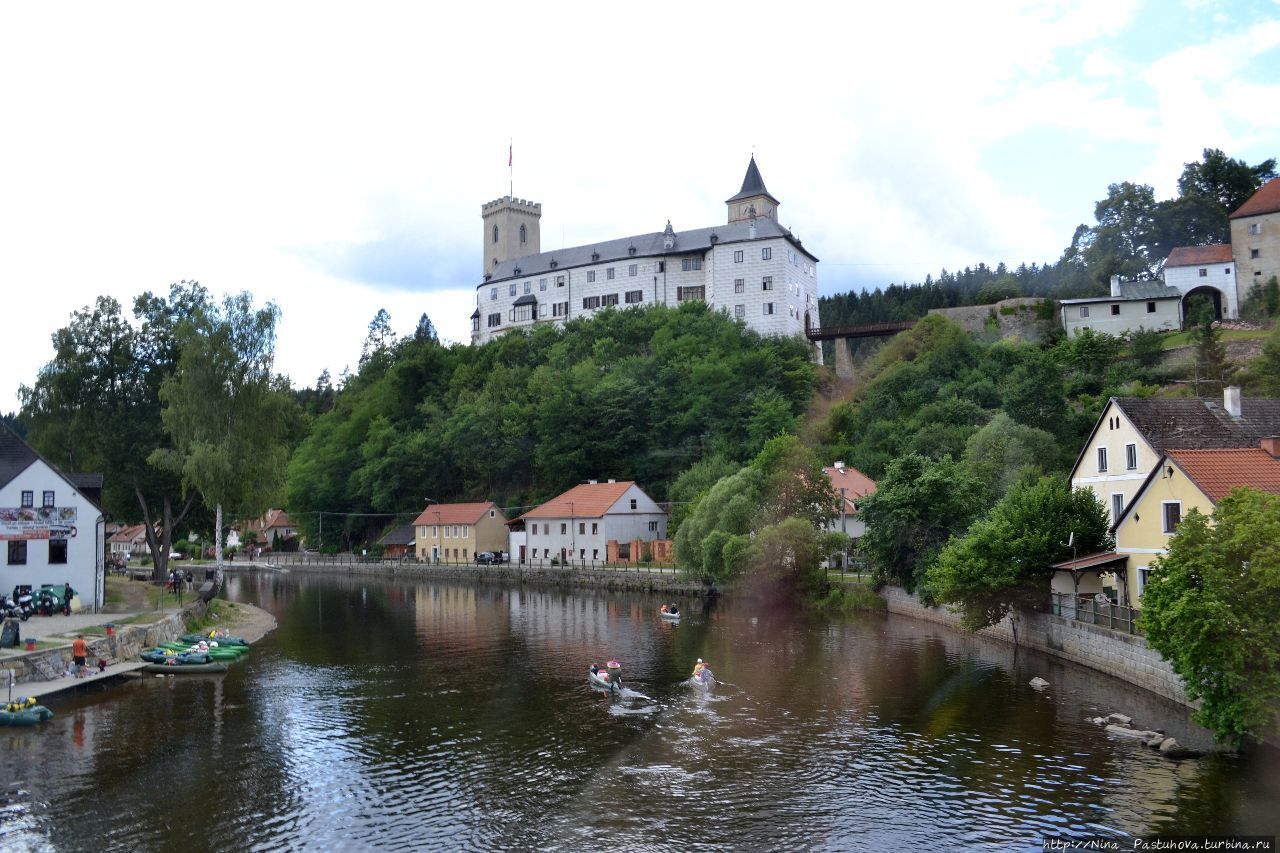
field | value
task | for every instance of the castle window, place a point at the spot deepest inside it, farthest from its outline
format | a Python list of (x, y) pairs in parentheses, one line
[(609, 299), (495, 320), (511, 289), (737, 256), (685, 294), (495, 233), (608, 274), (739, 285), (1253, 253), (560, 309), (690, 264), (589, 302), (542, 284), (633, 269), (662, 266), (521, 313), (740, 312), (1203, 272), (528, 286), (767, 283), (559, 281), (475, 325), (766, 253), (766, 308), (523, 238), (1254, 228), (635, 296), (493, 293), (591, 275)]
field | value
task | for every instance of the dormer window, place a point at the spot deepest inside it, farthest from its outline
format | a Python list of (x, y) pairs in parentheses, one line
[(595, 256), (554, 264), (631, 250)]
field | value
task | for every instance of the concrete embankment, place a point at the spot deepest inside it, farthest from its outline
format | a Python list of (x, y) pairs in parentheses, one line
[(664, 581)]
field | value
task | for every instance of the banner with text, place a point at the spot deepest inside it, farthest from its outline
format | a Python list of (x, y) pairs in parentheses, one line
[(46, 522)]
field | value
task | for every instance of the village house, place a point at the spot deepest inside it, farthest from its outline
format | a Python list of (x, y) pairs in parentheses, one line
[(1132, 305), (128, 542), (272, 532), (1184, 480), (1134, 432), (455, 533), (399, 542), (53, 532), (595, 521), (852, 486)]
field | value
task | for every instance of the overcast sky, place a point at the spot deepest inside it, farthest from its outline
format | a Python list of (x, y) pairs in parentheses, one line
[(333, 158)]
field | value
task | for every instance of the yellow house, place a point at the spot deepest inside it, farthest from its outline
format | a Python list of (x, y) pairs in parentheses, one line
[(1184, 480), (455, 533), (1134, 432)]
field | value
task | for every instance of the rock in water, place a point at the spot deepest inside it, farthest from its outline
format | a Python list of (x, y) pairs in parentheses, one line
[(1039, 683), (1120, 718)]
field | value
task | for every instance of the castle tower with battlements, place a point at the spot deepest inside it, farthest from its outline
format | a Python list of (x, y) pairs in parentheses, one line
[(510, 230)]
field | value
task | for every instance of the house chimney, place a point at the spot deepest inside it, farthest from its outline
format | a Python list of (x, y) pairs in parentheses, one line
[(611, 480), (1271, 444), (591, 482), (1231, 400), (840, 467), (1115, 286)]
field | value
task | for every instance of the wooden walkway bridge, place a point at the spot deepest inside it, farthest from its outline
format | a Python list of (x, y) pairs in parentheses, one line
[(840, 336)]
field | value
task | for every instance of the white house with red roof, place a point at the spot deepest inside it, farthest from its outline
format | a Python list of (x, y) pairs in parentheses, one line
[(579, 524), (1205, 270), (852, 486), (129, 541)]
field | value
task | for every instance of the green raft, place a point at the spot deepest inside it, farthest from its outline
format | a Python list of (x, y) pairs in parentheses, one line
[(185, 668), (222, 641), (24, 712)]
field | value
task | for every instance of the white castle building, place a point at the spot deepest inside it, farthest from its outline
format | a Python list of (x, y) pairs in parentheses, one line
[(751, 268)]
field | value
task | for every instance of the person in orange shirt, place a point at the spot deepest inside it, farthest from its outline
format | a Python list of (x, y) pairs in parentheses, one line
[(79, 652)]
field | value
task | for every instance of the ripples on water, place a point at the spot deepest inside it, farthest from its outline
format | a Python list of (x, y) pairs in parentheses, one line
[(406, 716)]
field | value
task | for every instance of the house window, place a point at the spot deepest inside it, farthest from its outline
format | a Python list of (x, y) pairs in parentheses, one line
[(495, 320), (1115, 310), (653, 527), (591, 276), (542, 284), (633, 269), (1084, 310), (28, 499), (739, 285), (466, 533), (559, 281), (528, 287), (1253, 253), (560, 309), (523, 236), (564, 528), (1254, 229), (1131, 456), (766, 253), (1172, 514), (740, 312), (1203, 272), (633, 503), (1151, 308), (493, 293), (662, 266), (685, 294), (767, 283), (521, 313), (1102, 460), (475, 322), (595, 528), (493, 513), (589, 302), (57, 552), (511, 289), (534, 530), (634, 296), (609, 299), (435, 531), (17, 552), (48, 499), (1226, 270), (608, 274), (737, 256), (690, 264), (582, 527), (766, 308), (1117, 507)]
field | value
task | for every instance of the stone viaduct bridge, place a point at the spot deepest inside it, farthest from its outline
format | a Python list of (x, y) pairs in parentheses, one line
[(841, 335)]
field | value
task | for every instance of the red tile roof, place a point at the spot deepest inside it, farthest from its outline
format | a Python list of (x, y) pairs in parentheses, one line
[(855, 484), (1217, 472), (276, 518), (1265, 200), (1191, 256), (589, 500), (129, 534), (1092, 561), (454, 513)]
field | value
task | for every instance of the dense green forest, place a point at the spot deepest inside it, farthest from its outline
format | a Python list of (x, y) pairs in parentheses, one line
[(1132, 238), (637, 394)]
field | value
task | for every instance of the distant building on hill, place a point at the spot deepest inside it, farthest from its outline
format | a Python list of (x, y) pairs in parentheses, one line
[(751, 268), (1255, 236)]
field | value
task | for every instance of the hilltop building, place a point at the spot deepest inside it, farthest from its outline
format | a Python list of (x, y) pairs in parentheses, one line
[(751, 267), (1255, 236)]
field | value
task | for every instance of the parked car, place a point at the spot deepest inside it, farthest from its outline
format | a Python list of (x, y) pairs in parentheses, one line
[(487, 558)]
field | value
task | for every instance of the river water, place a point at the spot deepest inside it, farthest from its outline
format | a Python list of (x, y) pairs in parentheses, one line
[(405, 715)]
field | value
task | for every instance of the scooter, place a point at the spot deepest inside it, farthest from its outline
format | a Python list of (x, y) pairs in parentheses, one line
[(9, 609), (21, 599)]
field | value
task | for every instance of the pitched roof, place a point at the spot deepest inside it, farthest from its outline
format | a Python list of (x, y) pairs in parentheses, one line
[(645, 245), (402, 535), (1091, 561), (855, 484), (1200, 424), (1217, 472), (129, 533), (276, 518), (1265, 200), (1190, 256), (1132, 291), (752, 183), (468, 513), (17, 456), (588, 500)]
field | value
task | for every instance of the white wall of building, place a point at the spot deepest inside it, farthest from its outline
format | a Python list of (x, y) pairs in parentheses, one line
[(587, 537), (1115, 317), (85, 539)]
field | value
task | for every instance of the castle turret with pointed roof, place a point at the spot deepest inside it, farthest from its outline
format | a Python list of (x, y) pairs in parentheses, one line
[(753, 199)]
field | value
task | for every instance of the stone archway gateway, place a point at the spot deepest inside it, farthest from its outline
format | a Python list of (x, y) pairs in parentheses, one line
[(1213, 294)]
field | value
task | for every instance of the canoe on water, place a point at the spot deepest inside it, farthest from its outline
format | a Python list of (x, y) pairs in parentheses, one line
[(185, 668), (669, 616), (24, 712), (703, 681), (599, 680), (222, 641)]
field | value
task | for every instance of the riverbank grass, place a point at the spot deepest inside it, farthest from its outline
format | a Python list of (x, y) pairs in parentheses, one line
[(851, 598)]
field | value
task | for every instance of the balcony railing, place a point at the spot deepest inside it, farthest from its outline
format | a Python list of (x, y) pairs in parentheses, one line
[(1097, 610)]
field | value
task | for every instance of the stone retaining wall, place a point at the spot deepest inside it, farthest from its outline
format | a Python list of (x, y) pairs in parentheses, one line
[(1124, 656), (127, 643)]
